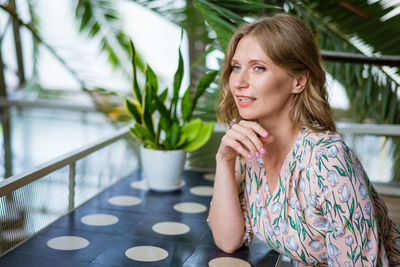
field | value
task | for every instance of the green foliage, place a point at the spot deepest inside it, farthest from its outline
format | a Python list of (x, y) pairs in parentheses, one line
[(101, 19), (157, 124), (224, 16), (371, 90)]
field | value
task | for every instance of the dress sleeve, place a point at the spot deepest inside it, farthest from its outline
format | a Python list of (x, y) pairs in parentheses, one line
[(243, 198), (349, 219)]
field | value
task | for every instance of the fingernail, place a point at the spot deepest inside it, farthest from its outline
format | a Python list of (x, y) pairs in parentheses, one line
[(264, 133), (249, 156), (257, 154), (262, 151)]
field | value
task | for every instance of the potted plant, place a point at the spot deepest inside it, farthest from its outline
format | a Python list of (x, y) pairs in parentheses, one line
[(164, 125)]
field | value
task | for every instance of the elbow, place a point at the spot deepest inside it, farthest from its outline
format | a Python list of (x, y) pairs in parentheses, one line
[(227, 247)]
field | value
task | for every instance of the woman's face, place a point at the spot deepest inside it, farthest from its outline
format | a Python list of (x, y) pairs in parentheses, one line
[(261, 89)]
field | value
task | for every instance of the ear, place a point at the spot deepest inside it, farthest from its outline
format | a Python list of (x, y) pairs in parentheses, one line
[(299, 82)]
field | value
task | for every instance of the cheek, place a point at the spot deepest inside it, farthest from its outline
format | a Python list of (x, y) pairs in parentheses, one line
[(274, 88), (231, 82)]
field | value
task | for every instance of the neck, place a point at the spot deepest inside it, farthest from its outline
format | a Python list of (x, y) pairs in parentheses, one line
[(284, 133)]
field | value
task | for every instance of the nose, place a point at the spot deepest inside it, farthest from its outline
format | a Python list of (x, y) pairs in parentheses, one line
[(241, 79)]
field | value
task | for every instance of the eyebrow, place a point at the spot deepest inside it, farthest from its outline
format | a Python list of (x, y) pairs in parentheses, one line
[(252, 61)]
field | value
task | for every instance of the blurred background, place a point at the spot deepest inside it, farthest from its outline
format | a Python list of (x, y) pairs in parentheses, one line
[(65, 69)]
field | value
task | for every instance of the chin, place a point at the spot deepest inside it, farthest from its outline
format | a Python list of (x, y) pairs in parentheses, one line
[(247, 116)]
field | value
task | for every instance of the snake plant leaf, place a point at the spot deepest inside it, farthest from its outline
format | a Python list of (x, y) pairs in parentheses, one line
[(147, 115), (201, 139), (134, 109), (182, 140), (148, 104), (174, 134), (163, 96), (186, 106), (172, 137), (178, 76), (163, 111), (142, 132), (151, 80), (149, 144), (177, 84), (136, 134), (204, 83), (151, 89), (189, 132), (164, 124), (136, 89)]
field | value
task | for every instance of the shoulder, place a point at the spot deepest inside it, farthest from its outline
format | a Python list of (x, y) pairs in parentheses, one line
[(330, 161), (319, 139), (324, 146), (336, 167)]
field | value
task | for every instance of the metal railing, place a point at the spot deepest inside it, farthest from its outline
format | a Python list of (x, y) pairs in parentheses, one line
[(5, 102), (377, 147), (17, 181), (374, 129), (383, 60), (32, 200)]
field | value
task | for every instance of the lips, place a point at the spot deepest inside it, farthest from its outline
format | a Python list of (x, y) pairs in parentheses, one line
[(244, 100)]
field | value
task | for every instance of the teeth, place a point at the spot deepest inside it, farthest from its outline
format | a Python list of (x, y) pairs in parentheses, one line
[(246, 99)]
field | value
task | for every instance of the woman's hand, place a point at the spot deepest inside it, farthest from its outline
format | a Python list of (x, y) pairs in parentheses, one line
[(246, 138)]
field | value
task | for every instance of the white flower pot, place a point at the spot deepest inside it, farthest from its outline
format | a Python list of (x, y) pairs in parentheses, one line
[(163, 170)]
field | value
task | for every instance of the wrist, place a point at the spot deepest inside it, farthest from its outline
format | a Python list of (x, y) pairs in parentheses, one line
[(222, 159)]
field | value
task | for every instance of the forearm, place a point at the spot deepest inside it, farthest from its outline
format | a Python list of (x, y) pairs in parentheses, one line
[(226, 218)]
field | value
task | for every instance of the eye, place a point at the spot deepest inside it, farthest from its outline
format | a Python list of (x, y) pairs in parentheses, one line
[(259, 68), (235, 68)]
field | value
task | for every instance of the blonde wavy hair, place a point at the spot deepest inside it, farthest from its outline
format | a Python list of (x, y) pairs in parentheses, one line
[(291, 45)]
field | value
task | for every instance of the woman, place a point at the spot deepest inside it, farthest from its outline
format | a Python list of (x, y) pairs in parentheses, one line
[(282, 172)]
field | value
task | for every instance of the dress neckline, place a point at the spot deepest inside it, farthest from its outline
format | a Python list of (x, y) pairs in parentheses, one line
[(301, 132)]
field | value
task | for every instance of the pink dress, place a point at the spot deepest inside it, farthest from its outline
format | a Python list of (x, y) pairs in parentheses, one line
[(323, 211)]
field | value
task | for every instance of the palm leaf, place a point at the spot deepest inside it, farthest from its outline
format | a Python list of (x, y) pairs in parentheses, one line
[(224, 16), (366, 87), (36, 36), (101, 19), (371, 89)]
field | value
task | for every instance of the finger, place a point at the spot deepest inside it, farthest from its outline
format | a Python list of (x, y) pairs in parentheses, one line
[(236, 145), (253, 137), (243, 137), (255, 126)]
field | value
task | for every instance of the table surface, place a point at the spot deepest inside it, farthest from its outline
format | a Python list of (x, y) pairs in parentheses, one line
[(112, 227)]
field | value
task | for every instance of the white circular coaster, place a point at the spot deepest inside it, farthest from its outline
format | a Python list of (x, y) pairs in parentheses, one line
[(146, 253), (227, 262), (209, 176), (124, 200), (99, 219), (204, 191), (67, 243), (170, 228), (190, 207), (142, 185)]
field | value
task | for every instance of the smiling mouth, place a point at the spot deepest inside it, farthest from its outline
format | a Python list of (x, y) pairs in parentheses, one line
[(246, 99)]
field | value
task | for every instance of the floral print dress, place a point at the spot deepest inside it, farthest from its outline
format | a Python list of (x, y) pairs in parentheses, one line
[(323, 211)]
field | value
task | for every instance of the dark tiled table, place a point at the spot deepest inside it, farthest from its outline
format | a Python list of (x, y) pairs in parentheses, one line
[(107, 244)]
